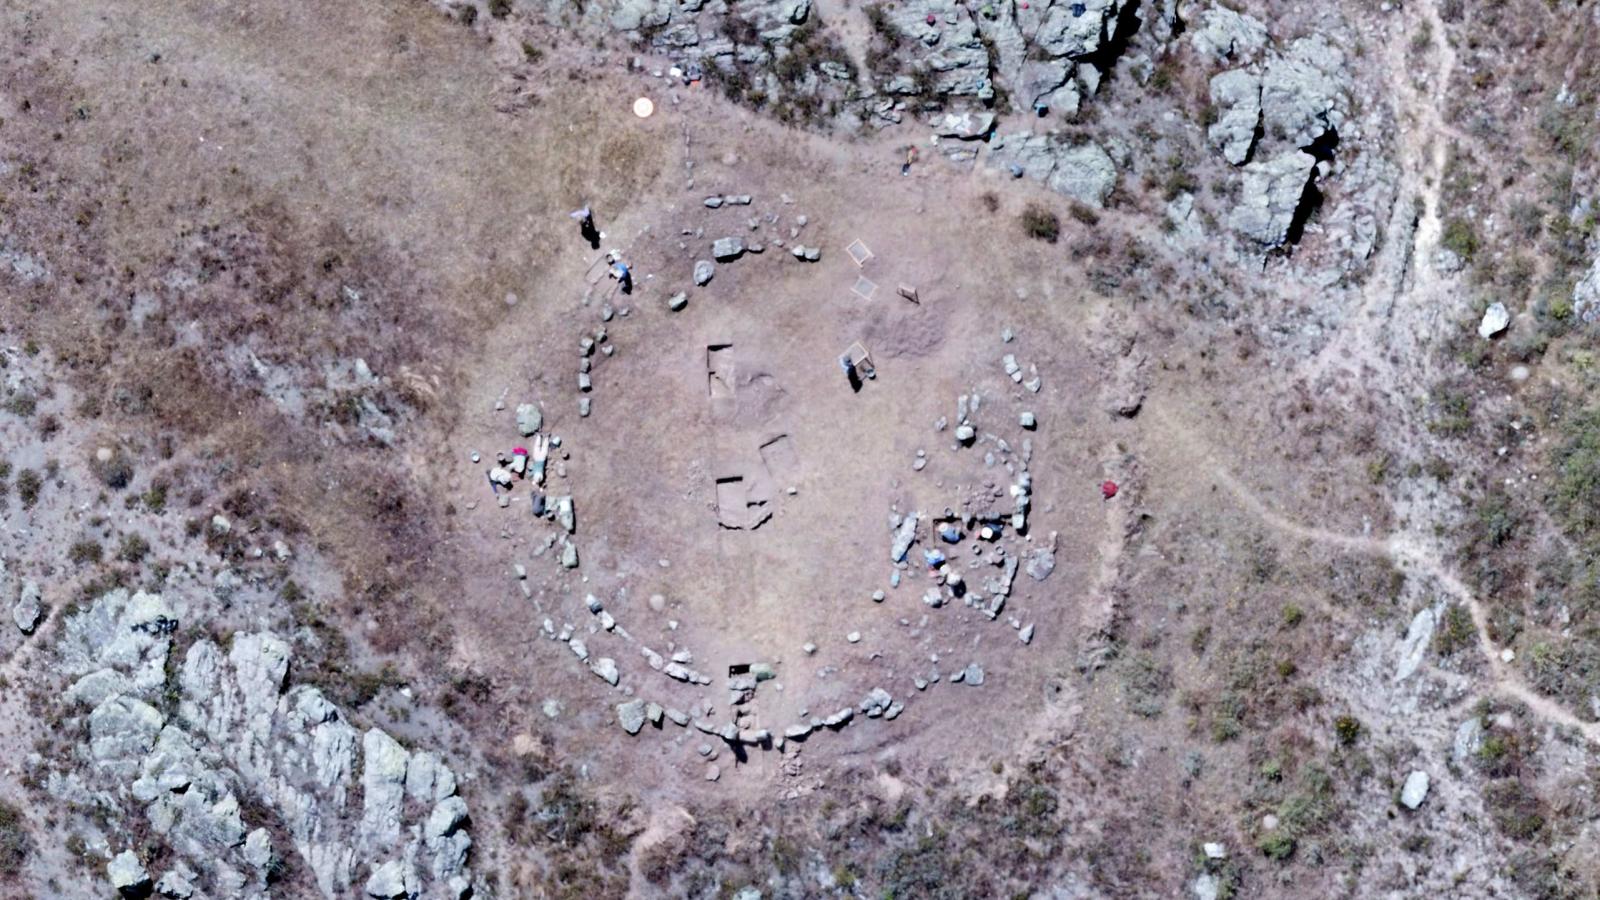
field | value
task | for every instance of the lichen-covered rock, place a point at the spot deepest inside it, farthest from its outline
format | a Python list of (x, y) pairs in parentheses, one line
[(1272, 194), (1586, 294), (1227, 35), (28, 609), (128, 632), (631, 715), (239, 735), (121, 731), (388, 880), (446, 839), (383, 778), (94, 688), (1071, 28), (529, 419), (1084, 173), (1237, 96), (428, 780), (949, 49), (177, 883), (128, 875), (632, 15), (1302, 92)]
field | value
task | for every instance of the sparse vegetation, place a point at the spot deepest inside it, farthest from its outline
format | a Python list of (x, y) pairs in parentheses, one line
[(1146, 683), (85, 552), (1575, 495), (887, 39), (22, 404), (1292, 615), (1347, 729), (15, 843), (1455, 632), (1040, 224), (1460, 238), (1516, 810), (28, 484), (1302, 814), (155, 498), (1084, 213), (134, 548), (114, 472)]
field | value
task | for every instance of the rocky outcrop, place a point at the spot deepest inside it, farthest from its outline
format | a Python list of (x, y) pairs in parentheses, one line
[(1046, 55), (239, 732), (29, 609), (1085, 172), (1302, 93), (1225, 35), (1236, 95), (128, 875), (1273, 192), (126, 637), (1586, 294)]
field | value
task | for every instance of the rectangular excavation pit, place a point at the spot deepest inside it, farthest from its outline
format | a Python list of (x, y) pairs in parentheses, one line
[(731, 502), (737, 508), (779, 456), (719, 371)]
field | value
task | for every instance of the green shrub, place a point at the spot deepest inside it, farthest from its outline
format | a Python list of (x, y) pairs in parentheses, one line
[(1146, 684), (1347, 729), (1040, 224), (1303, 813), (1179, 179), (155, 499), (22, 405), (1276, 845), (1456, 631), (1293, 615), (116, 472), (85, 552), (15, 843), (1460, 237), (1516, 810), (1575, 496), (1495, 521), (1227, 718), (1455, 412), (28, 485), (1084, 213), (134, 549)]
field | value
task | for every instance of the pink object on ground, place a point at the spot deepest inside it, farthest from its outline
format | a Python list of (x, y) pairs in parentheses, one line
[(1108, 489)]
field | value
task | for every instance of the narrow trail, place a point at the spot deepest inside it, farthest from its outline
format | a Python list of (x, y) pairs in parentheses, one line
[(1404, 301), (1403, 297), (1413, 555)]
